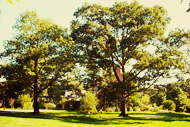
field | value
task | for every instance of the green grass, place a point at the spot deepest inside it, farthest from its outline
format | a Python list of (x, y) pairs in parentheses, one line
[(61, 118)]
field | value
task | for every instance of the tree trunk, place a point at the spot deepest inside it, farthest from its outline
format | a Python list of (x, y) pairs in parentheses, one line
[(36, 92), (123, 108), (36, 103)]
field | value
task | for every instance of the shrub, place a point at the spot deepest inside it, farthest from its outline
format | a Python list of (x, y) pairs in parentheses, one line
[(178, 95), (161, 107), (169, 104), (88, 103), (188, 106), (26, 101), (117, 109), (155, 109), (188, 109), (181, 102), (49, 106), (148, 107), (133, 101), (145, 99), (62, 103), (107, 109), (130, 109), (135, 109), (160, 97), (143, 107)]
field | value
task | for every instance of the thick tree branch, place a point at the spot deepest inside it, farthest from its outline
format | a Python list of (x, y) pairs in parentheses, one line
[(139, 90), (117, 77), (135, 75)]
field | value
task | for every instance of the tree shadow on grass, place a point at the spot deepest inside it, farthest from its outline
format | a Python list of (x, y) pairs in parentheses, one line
[(104, 119), (165, 117)]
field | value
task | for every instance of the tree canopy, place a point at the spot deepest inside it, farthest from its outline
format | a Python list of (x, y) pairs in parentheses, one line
[(119, 37), (123, 48), (39, 55)]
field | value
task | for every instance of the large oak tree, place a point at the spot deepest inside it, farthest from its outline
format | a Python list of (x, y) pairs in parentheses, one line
[(120, 37), (38, 56)]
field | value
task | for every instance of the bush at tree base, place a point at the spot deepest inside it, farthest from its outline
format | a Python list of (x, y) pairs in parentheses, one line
[(169, 104), (88, 103), (26, 101), (62, 103), (49, 106)]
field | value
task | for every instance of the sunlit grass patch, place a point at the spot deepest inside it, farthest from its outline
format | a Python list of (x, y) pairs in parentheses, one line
[(62, 118)]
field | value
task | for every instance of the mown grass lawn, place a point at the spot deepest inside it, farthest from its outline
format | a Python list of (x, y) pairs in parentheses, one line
[(62, 118)]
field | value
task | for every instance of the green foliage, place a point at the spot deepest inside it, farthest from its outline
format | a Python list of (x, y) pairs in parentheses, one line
[(188, 106), (88, 103), (40, 54), (145, 99), (169, 105), (130, 109), (107, 109), (181, 102), (3, 89), (159, 97), (10, 89), (26, 101), (117, 37), (135, 109), (176, 94), (133, 101), (161, 107), (49, 106), (144, 105), (155, 109), (62, 102), (117, 109)]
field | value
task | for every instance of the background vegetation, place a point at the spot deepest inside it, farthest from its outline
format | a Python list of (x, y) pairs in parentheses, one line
[(106, 51)]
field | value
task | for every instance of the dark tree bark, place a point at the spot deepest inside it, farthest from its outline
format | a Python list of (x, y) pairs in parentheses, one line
[(123, 108), (36, 103), (36, 93)]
